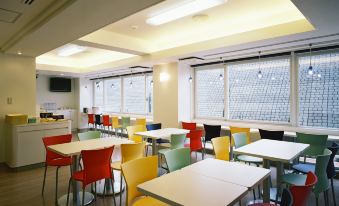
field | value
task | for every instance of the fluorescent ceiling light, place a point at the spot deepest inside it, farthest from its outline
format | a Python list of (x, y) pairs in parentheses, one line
[(183, 10), (70, 49)]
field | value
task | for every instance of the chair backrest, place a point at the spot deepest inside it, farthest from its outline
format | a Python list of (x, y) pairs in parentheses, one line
[(273, 135), (89, 135), (195, 140), (97, 164), (115, 122), (125, 121), (221, 147), (234, 130), (317, 143), (136, 172), (189, 126), (131, 130), (132, 151), (53, 140), (320, 170), (90, 118), (177, 141), (177, 158), (97, 119), (330, 167), (286, 198), (301, 193), (151, 127), (240, 139), (211, 131), (105, 120), (140, 121)]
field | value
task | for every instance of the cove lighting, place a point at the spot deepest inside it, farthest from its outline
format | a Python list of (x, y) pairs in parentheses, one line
[(70, 49), (183, 10)]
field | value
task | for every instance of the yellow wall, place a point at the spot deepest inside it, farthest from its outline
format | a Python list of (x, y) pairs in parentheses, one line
[(165, 95), (17, 80)]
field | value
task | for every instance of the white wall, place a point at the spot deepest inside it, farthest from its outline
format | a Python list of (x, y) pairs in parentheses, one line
[(17, 80), (62, 99), (85, 99)]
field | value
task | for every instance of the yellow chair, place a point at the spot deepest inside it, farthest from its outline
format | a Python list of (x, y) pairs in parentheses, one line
[(136, 172), (234, 130), (131, 130), (221, 147), (128, 152), (116, 125), (140, 121)]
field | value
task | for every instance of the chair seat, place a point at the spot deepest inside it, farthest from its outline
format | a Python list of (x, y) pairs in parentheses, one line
[(60, 162), (251, 159), (162, 151), (148, 201), (294, 179), (117, 126), (262, 204), (79, 176), (116, 165), (107, 125), (304, 168)]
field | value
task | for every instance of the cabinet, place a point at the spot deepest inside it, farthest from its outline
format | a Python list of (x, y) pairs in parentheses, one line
[(69, 114)]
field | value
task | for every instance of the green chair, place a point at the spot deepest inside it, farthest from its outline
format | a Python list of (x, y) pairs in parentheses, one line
[(125, 122), (177, 158), (317, 144), (240, 139), (320, 171), (177, 141), (89, 135)]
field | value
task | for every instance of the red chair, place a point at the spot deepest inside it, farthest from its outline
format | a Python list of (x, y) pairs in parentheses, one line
[(91, 119), (97, 166), (54, 159), (189, 126), (301, 193), (195, 142), (105, 122)]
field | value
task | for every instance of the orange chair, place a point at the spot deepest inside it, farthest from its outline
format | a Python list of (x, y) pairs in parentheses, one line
[(97, 166), (54, 159), (105, 122), (196, 142), (189, 126), (91, 119)]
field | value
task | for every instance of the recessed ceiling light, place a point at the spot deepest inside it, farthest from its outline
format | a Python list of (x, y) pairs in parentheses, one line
[(19, 52), (62, 74), (200, 17), (183, 10), (134, 27), (70, 49)]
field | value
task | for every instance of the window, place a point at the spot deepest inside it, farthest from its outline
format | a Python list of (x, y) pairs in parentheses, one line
[(319, 92), (113, 95), (210, 92), (128, 94), (134, 94), (99, 93), (266, 98)]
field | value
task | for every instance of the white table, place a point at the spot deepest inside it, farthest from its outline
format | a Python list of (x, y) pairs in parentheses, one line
[(161, 134), (232, 172), (73, 149), (184, 187), (272, 150)]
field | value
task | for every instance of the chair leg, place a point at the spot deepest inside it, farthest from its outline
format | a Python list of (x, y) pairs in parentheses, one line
[(56, 186), (259, 191), (325, 198), (43, 183), (316, 201), (83, 197), (121, 188), (254, 196), (333, 193), (104, 195), (95, 191), (69, 188), (113, 192)]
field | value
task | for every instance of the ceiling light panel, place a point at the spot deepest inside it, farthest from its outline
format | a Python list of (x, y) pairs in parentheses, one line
[(185, 9), (70, 49)]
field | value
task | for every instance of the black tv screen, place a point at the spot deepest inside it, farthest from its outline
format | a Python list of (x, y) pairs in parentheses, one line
[(57, 84)]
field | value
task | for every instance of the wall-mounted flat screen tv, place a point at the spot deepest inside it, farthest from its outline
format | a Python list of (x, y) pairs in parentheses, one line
[(58, 84)]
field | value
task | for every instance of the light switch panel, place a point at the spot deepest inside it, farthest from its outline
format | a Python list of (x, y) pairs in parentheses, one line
[(9, 100)]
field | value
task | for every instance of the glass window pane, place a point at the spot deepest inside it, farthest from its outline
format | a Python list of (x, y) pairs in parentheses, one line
[(319, 92), (134, 94), (209, 93), (113, 95), (98, 93), (149, 94), (254, 98)]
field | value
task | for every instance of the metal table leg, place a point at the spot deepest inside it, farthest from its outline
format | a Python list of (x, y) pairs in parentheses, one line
[(266, 184), (154, 146)]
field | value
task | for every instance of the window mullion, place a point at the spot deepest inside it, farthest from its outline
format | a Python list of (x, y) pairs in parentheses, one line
[(294, 90)]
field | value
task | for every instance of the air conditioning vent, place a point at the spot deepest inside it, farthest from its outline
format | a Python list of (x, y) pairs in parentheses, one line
[(27, 2)]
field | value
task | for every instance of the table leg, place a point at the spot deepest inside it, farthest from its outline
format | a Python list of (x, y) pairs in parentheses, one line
[(75, 198), (266, 195), (108, 186), (154, 146), (280, 169)]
